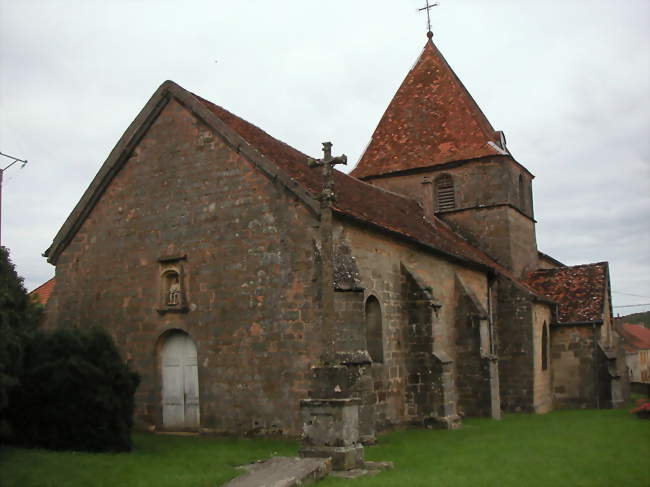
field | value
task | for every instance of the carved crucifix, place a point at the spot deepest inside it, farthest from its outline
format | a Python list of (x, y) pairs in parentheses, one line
[(327, 163), (327, 254)]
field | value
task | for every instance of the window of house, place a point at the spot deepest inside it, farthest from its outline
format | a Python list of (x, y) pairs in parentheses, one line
[(374, 330), (522, 196), (545, 346), (445, 197)]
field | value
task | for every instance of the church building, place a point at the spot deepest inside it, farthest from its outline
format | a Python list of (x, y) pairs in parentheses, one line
[(208, 249)]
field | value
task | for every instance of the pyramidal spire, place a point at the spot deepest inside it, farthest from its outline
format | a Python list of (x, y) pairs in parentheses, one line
[(431, 120)]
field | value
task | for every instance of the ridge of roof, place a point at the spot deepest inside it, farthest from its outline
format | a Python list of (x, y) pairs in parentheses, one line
[(431, 120), (552, 259), (366, 206), (566, 268), (356, 198)]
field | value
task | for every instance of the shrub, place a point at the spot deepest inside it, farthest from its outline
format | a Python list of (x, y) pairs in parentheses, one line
[(19, 316), (76, 393)]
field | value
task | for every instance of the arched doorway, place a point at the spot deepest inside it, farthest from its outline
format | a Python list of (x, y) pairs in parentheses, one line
[(180, 382)]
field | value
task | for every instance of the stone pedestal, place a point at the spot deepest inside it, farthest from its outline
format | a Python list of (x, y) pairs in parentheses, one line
[(331, 429)]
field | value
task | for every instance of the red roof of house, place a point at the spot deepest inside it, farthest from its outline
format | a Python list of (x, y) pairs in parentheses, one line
[(359, 200), (42, 292), (637, 337), (579, 290), (431, 120)]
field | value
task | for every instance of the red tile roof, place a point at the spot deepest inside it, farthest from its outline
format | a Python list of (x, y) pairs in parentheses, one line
[(431, 120), (637, 337), (42, 292), (579, 290), (359, 200)]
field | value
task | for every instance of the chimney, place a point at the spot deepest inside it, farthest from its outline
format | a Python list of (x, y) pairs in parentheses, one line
[(427, 198)]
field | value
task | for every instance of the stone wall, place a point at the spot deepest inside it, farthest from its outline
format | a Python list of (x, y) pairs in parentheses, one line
[(575, 370), (515, 347), (542, 389), (473, 367), (248, 268), (492, 210), (487, 181), (401, 384)]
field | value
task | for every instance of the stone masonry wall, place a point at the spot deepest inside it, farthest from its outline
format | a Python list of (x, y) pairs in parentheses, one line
[(248, 271), (379, 258), (473, 370), (486, 181), (542, 392), (423, 389), (486, 195), (515, 347), (574, 367)]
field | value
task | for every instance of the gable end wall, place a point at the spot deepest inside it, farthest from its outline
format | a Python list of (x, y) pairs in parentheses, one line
[(249, 275)]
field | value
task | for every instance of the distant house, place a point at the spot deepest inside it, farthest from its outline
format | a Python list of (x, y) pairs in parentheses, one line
[(637, 351), (42, 293)]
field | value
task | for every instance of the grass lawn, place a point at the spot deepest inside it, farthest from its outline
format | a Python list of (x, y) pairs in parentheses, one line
[(563, 448), (156, 461)]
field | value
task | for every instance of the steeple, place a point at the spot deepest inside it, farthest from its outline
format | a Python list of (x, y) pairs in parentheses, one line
[(431, 120)]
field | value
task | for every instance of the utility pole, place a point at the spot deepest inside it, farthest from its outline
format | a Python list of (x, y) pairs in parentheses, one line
[(15, 160)]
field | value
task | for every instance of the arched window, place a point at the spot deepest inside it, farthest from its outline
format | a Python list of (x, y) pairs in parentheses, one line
[(374, 330), (445, 197), (522, 195), (545, 346)]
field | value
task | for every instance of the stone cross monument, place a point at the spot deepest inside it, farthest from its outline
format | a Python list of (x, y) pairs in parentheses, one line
[(331, 415), (326, 198)]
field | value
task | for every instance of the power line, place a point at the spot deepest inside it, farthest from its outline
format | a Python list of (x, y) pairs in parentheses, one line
[(631, 305), (630, 294), (2, 170)]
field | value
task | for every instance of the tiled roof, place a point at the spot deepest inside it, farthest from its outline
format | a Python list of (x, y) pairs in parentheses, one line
[(637, 337), (579, 290), (431, 120), (42, 292), (359, 200)]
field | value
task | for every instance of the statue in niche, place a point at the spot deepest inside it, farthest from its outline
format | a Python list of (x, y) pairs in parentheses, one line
[(174, 291)]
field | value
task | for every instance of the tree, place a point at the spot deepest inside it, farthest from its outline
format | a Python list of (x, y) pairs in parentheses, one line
[(76, 392), (19, 317)]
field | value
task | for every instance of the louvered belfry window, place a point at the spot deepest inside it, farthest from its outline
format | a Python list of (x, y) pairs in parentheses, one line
[(445, 198)]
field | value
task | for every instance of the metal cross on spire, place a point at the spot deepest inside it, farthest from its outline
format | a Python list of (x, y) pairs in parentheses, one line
[(427, 8)]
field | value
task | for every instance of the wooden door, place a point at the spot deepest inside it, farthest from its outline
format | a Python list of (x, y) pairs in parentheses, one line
[(180, 383)]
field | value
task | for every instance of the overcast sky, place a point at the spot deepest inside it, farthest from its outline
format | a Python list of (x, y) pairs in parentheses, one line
[(567, 81)]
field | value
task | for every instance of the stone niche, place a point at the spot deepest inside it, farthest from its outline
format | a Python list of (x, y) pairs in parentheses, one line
[(171, 283)]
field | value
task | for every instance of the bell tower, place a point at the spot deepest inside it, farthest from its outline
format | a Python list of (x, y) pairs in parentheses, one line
[(433, 131)]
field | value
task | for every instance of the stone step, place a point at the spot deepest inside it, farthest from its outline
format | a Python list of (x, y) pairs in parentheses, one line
[(283, 472)]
